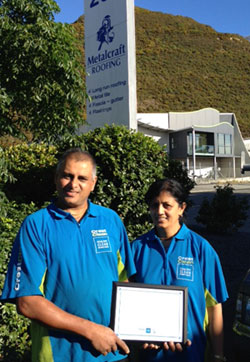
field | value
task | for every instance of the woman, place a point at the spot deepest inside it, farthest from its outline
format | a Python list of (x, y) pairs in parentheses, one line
[(171, 254)]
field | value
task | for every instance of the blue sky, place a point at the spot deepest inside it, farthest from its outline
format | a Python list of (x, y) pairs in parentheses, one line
[(226, 16)]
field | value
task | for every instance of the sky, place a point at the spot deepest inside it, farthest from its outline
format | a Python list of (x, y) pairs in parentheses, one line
[(225, 16)]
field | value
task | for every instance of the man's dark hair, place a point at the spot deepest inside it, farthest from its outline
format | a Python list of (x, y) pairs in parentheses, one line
[(77, 154)]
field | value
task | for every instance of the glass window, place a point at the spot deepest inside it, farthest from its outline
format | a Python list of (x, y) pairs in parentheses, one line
[(224, 144), (221, 143), (228, 144), (172, 142), (204, 143), (190, 144), (201, 142)]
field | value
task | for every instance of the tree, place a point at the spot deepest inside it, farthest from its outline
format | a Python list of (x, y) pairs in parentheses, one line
[(42, 89)]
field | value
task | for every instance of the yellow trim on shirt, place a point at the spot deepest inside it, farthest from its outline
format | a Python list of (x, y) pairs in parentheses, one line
[(41, 346), (210, 302), (122, 273)]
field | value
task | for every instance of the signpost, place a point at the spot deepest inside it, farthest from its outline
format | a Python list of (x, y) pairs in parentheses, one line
[(110, 63)]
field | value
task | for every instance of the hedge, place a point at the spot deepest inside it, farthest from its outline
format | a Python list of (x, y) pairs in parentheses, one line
[(14, 329)]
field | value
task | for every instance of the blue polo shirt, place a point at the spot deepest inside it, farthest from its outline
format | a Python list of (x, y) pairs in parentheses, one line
[(73, 265), (191, 262)]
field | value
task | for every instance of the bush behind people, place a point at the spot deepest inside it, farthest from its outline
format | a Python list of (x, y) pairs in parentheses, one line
[(225, 212)]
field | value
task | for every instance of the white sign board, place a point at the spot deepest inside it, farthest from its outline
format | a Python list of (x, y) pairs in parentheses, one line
[(110, 62), (134, 319)]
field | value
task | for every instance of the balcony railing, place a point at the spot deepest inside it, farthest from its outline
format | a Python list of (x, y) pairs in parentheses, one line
[(203, 150)]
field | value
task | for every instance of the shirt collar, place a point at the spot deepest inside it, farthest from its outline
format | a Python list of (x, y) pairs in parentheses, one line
[(182, 233), (180, 236), (61, 214)]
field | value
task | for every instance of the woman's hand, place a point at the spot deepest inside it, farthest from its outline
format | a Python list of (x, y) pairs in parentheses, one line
[(174, 347)]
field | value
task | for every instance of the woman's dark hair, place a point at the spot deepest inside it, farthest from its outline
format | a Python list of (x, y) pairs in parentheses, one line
[(169, 185)]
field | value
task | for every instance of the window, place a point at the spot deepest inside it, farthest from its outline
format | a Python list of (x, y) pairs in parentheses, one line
[(172, 143), (221, 143), (224, 144), (204, 143), (228, 144)]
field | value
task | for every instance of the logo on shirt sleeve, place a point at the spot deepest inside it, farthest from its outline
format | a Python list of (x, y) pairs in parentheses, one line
[(18, 271), (101, 241), (185, 268)]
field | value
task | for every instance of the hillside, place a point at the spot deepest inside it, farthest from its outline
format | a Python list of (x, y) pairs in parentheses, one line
[(183, 65)]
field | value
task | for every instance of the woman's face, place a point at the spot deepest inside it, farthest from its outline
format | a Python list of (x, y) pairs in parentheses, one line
[(165, 212)]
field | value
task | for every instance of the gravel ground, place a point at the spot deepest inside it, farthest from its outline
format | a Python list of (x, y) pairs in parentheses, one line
[(234, 252)]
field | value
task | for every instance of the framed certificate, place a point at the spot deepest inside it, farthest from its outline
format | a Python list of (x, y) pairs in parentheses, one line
[(149, 313)]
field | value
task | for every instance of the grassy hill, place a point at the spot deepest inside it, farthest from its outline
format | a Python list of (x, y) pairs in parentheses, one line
[(183, 65)]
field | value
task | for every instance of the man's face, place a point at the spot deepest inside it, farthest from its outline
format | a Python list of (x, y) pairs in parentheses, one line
[(74, 183)]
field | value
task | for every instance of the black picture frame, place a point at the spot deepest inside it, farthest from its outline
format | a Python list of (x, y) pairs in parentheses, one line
[(149, 312)]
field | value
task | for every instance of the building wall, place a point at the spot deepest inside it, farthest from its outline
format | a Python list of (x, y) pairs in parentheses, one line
[(238, 165), (178, 144), (240, 147), (203, 117), (202, 162), (225, 168), (247, 144), (154, 120), (227, 117), (159, 136)]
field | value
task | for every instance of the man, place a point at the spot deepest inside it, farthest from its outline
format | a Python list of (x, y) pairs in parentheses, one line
[(63, 263)]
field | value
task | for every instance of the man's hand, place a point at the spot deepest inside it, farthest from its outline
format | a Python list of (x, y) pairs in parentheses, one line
[(104, 340)]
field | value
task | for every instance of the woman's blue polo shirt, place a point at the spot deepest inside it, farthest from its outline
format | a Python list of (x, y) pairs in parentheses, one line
[(190, 262), (73, 265)]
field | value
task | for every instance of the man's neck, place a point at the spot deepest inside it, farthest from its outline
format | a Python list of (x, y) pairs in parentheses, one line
[(77, 212)]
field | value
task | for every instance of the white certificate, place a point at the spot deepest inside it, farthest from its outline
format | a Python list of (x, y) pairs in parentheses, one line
[(149, 313)]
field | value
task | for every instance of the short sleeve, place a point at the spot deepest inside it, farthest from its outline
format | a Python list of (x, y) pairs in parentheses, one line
[(213, 278), (27, 266), (126, 266)]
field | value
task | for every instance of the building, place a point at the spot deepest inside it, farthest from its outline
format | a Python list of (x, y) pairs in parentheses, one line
[(208, 143), (247, 144)]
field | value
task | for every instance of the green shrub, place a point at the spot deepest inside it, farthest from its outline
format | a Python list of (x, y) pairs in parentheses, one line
[(175, 171), (14, 329), (32, 167), (128, 162), (225, 212), (5, 174)]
